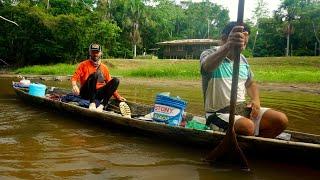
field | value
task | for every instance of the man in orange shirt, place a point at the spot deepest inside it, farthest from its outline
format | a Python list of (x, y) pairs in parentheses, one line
[(95, 80)]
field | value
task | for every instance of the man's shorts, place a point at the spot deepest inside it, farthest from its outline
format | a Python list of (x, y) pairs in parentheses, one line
[(220, 121)]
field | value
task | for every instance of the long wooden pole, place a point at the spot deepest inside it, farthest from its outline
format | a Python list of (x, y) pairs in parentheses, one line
[(235, 72), (229, 142)]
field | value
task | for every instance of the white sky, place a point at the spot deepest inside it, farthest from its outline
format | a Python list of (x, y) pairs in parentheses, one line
[(249, 6)]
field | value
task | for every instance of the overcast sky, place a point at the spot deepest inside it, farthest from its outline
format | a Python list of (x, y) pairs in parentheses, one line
[(232, 5)]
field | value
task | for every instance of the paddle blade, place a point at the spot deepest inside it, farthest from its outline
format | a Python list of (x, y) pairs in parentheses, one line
[(228, 146)]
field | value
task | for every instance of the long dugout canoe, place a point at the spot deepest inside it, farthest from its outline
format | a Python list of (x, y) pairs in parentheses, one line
[(302, 147)]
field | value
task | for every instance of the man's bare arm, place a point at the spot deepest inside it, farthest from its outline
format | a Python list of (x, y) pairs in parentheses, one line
[(213, 60), (75, 88), (253, 90), (253, 93)]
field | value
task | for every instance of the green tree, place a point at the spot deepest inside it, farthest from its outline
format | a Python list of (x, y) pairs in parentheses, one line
[(310, 21), (128, 16), (203, 16), (30, 43), (43, 38), (165, 24), (271, 40), (259, 12), (288, 13)]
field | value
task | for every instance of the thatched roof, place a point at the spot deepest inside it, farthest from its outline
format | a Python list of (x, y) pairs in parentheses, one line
[(190, 42)]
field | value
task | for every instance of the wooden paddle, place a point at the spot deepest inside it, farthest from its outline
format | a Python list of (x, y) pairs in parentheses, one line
[(229, 142)]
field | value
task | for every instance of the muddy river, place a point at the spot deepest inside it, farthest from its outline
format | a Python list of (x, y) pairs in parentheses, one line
[(39, 143)]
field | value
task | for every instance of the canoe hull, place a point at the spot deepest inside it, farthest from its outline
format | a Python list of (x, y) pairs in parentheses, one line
[(256, 146)]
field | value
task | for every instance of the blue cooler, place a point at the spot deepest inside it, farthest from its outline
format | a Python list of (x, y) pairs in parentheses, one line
[(168, 110), (37, 89)]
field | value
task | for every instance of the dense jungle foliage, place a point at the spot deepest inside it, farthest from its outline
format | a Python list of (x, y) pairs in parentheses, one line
[(59, 31)]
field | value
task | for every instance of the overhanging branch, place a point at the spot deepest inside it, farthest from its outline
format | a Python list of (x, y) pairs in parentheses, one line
[(9, 21)]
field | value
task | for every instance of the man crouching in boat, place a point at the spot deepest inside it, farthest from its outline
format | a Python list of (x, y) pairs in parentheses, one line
[(216, 71), (95, 80)]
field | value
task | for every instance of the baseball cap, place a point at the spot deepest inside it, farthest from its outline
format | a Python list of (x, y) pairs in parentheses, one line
[(95, 47)]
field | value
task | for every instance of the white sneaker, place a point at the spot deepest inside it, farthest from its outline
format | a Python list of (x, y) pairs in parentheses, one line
[(92, 106), (100, 108), (125, 109)]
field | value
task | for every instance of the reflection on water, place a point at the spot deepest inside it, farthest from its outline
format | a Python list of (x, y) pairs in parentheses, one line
[(40, 143), (302, 109)]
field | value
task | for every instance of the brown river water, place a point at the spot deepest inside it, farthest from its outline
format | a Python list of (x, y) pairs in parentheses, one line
[(38, 143)]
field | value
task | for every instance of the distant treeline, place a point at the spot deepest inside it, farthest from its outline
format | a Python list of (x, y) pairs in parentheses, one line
[(55, 31)]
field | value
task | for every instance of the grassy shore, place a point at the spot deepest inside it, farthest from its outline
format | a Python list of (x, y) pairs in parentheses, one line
[(267, 69)]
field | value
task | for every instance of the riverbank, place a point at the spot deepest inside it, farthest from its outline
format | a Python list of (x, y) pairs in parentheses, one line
[(265, 69), (301, 74), (283, 87)]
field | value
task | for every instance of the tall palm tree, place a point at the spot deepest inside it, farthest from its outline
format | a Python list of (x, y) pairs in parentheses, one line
[(288, 12), (133, 20)]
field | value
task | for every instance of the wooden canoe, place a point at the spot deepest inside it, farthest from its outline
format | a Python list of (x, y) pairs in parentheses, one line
[(302, 147)]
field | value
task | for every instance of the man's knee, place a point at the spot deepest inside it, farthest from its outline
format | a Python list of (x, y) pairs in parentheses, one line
[(113, 84), (272, 124), (244, 126), (115, 81), (282, 121), (273, 118)]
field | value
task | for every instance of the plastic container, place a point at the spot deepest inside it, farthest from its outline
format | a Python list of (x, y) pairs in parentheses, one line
[(37, 90), (24, 83), (168, 110)]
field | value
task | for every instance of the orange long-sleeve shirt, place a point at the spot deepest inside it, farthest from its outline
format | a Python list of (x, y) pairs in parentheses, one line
[(85, 68)]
